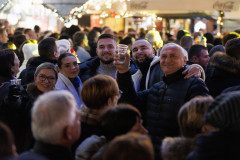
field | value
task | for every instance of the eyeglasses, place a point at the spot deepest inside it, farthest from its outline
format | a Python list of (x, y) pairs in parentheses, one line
[(43, 78)]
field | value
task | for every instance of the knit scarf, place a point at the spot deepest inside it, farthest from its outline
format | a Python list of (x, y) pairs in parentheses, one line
[(75, 82)]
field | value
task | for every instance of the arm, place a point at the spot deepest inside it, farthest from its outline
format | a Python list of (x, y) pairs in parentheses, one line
[(197, 88), (194, 70), (126, 85)]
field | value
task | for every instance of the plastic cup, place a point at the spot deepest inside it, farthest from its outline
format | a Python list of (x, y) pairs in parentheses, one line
[(122, 49), (16, 82)]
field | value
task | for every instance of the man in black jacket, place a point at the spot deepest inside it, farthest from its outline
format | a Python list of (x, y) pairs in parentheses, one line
[(103, 63), (48, 52), (160, 104)]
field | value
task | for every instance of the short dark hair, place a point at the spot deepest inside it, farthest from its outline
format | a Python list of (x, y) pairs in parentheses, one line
[(195, 50), (104, 36), (6, 61), (47, 47), (186, 42), (78, 38), (62, 56), (27, 30), (233, 48), (229, 36), (118, 120), (18, 40)]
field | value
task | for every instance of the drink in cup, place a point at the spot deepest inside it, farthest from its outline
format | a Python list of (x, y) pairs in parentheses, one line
[(122, 49)]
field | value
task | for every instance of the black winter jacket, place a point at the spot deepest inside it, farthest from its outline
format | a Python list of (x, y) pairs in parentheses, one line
[(160, 104), (89, 68), (222, 72)]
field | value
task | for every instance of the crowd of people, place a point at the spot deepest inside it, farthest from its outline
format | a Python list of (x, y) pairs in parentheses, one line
[(171, 99)]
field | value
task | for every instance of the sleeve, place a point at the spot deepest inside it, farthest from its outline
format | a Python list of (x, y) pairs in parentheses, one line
[(197, 88), (129, 95)]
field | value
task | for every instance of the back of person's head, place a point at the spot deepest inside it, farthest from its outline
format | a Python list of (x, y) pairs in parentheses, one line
[(216, 48), (176, 148), (127, 40), (233, 48), (30, 50), (37, 29), (55, 35), (182, 33), (73, 29), (118, 120), (78, 38), (186, 42), (47, 47), (18, 40), (7, 144), (52, 112), (230, 36), (190, 116), (97, 90), (217, 41), (64, 46), (209, 37), (131, 146), (195, 50), (224, 112), (6, 62)]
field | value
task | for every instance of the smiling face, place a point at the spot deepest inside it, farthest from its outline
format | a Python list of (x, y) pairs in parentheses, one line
[(69, 67), (142, 49), (172, 59), (106, 49), (45, 80)]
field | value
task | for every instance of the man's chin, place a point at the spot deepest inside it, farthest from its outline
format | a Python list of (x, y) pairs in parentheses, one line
[(107, 61)]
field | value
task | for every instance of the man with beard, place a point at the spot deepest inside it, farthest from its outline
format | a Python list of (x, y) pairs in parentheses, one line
[(149, 71), (103, 62)]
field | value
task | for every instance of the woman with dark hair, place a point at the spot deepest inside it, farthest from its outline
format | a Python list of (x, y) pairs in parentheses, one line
[(68, 76), (92, 41)]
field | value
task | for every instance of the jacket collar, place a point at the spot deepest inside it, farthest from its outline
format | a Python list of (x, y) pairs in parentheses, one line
[(52, 151), (174, 77)]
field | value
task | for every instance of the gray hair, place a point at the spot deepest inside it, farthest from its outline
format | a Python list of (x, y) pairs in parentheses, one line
[(183, 51), (51, 113)]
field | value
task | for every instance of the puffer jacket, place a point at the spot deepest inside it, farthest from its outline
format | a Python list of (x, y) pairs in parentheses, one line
[(160, 104)]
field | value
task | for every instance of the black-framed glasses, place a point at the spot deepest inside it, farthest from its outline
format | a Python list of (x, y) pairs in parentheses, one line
[(43, 78)]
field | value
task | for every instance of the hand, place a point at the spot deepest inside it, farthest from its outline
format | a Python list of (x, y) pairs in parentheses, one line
[(122, 66), (14, 93), (193, 70)]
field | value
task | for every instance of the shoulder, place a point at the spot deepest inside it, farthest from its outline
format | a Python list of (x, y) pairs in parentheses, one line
[(30, 156), (94, 61)]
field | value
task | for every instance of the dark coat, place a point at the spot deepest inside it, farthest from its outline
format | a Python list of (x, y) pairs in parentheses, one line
[(44, 151), (17, 115), (222, 72), (218, 145), (89, 68), (160, 104), (28, 75)]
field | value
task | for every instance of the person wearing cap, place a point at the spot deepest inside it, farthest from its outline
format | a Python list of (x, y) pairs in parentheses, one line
[(223, 119)]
